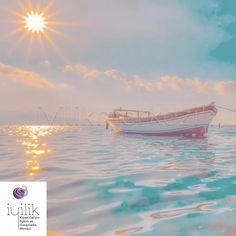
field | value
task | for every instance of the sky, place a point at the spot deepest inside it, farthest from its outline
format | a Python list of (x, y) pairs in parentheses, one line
[(157, 55)]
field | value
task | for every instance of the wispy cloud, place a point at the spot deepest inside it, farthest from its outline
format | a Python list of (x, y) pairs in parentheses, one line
[(176, 83), (87, 72), (225, 88), (26, 78), (162, 84)]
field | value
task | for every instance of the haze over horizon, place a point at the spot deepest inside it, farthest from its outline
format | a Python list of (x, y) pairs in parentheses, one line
[(157, 55)]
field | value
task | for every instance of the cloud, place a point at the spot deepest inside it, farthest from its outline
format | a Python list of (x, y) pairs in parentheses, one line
[(225, 88), (176, 83), (68, 68), (138, 83), (26, 78), (87, 72), (46, 62), (163, 84)]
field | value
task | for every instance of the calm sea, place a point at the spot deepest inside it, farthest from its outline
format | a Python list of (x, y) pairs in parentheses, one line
[(101, 183)]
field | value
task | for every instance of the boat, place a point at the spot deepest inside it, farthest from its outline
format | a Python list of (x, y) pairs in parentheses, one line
[(192, 122)]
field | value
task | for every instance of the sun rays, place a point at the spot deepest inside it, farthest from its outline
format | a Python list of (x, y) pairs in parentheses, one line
[(35, 23)]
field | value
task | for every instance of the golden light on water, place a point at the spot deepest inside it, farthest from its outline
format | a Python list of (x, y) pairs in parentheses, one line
[(32, 138), (36, 148)]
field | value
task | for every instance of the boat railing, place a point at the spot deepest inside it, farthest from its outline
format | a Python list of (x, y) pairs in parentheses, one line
[(140, 114), (127, 112)]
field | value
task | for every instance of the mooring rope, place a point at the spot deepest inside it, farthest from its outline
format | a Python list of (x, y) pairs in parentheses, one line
[(226, 108)]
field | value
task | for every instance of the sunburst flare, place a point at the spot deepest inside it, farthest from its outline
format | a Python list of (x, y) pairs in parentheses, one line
[(36, 24)]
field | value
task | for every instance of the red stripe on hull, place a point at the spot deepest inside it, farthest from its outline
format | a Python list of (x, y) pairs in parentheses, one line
[(193, 132)]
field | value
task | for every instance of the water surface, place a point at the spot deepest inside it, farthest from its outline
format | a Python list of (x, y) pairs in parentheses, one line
[(101, 183)]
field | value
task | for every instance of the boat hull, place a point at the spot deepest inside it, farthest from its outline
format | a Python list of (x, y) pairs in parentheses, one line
[(193, 124)]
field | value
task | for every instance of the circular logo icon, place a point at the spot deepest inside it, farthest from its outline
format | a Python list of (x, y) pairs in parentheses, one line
[(19, 193)]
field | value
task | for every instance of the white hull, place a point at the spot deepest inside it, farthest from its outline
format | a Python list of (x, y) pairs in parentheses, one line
[(194, 124)]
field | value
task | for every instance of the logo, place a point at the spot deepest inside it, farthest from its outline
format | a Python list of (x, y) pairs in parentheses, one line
[(23, 208), (19, 193)]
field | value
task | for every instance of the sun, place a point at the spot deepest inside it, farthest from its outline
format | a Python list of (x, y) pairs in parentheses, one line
[(35, 22)]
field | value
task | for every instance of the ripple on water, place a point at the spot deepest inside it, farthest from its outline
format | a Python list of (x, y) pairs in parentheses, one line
[(105, 184)]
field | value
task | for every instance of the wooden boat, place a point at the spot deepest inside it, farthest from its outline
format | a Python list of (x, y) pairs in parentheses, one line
[(191, 122)]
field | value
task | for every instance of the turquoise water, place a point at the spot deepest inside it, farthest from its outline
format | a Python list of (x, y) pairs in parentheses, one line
[(100, 183)]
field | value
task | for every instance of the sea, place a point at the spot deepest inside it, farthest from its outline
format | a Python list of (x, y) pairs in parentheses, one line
[(102, 183)]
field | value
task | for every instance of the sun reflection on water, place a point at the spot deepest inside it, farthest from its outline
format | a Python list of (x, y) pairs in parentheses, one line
[(32, 138), (36, 147), (127, 185)]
